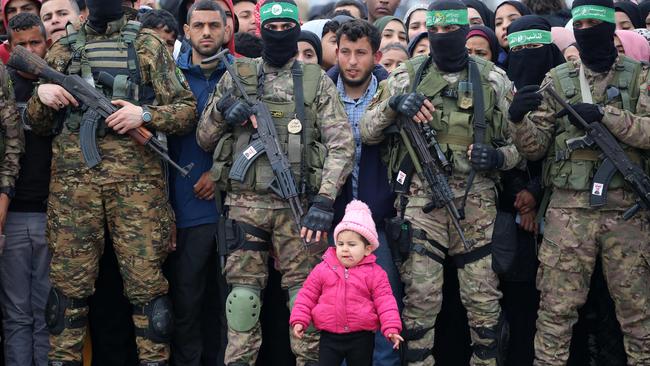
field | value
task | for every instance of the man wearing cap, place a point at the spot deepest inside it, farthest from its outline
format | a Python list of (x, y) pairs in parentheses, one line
[(313, 131), (445, 100), (602, 87)]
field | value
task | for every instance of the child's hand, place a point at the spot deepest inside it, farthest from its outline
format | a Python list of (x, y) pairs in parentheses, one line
[(298, 331), (395, 338)]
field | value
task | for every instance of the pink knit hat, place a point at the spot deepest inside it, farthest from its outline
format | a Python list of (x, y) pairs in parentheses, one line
[(358, 218)]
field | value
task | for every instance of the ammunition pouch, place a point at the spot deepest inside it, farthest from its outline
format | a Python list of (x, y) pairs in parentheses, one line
[(504, 242), (231, 236), (400, 236)]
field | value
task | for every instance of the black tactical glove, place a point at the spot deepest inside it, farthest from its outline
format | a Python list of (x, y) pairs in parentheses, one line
[(320, 214), (234, 111), (407, 104), (588, 112), (485, 157), (526, 99)]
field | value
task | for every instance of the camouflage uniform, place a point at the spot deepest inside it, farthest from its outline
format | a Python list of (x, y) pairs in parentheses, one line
[(434, 234), (576, 233), (13, 139), (252, 202), (126, 191)]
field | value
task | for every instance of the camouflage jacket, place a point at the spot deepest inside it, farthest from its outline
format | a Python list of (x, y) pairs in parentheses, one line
[(380, 115), (12, 132), (331, 121), (173, 112), (535, 135)]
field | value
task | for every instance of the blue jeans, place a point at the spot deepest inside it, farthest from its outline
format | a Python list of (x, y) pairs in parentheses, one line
[(24, 288), (384, 354)]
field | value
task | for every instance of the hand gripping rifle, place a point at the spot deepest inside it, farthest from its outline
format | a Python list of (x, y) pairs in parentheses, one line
[(614, 160), (419, 138), (265, 141), (97, 106)]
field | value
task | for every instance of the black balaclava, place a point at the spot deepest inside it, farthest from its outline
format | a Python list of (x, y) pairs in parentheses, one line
[(596, 44), (529, 65), (486, 14), (102, 12), (632, 11), (279, 46), (448, 49), (488, 34)]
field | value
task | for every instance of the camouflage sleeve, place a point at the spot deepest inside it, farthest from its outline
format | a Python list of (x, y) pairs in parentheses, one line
[(336, 135), (503, 89), (533, 136), (379, 115), (12, 130), (211, 124), (632, 129), (174, 111), (42, 118)]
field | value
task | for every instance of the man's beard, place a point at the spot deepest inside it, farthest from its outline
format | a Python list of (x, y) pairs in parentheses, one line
[(357, 82), (206, 52)]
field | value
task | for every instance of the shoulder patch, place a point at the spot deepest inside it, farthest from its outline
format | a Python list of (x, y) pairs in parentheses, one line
[(180, 76)]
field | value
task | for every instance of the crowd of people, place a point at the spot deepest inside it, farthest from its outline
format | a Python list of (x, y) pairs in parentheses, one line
[(377, 183)]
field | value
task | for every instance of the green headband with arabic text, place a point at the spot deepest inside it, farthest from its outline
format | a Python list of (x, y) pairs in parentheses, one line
[(601, 13), (279, 10), (530, 36), (447, 17)]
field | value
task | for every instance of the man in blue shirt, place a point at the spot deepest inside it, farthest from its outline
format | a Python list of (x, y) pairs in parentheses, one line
[(193, 265)]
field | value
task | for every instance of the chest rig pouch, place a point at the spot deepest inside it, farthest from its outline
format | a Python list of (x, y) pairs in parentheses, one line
[(575, 169), (111, 65), (295, 123)]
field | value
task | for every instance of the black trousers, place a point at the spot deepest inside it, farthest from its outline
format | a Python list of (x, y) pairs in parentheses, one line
[(193, 273), (355, 348)]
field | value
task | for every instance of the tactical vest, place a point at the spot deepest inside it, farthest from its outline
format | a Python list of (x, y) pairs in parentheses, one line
[(454, 114), (575, 170), (116, 57), (303, 148)]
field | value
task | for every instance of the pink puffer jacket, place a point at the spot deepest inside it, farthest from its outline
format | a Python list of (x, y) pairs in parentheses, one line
[(341, 300)]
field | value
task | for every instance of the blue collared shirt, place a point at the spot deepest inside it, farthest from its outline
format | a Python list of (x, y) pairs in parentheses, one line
[(355, 110)]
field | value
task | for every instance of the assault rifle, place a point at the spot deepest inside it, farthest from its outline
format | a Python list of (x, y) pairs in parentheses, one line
[(265, 141), (96, 104), (421, 138), (614, 160)]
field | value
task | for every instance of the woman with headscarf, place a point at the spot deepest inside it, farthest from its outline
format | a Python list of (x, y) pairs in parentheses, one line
[(310, 50), (632, 45), (506, 13), (482, 42), (566, 42), (479, 13), (627, 15), (416, 20), (392, 30)]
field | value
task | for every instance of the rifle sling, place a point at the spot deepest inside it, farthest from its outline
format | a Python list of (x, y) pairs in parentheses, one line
[(299, 96)]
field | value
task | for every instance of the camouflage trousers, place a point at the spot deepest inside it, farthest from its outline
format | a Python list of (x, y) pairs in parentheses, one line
[(249, 268), (573, 238), (423, 276), (139, 220)]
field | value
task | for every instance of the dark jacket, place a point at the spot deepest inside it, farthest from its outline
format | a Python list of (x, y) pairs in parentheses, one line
[(191, 211), (374, 188)]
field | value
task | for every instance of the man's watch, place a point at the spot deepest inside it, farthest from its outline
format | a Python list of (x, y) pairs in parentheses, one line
[(10, 192), (146, 115)]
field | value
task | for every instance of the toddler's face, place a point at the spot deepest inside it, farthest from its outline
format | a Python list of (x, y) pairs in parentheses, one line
[(351, 248)]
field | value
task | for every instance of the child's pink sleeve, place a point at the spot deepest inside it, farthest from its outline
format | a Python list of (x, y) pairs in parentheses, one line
[(385, 303), (307, 298)]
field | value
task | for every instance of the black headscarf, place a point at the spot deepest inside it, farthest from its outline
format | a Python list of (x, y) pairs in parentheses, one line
[(488, 34), (596, 44), (521, 8), (632, 11), (314, 41), (530, 65), (414, 42), (486, 14), (644, 9), (102, 12), (448, 49)]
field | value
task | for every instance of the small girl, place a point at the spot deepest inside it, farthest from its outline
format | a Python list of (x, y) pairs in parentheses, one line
[(348, 295)]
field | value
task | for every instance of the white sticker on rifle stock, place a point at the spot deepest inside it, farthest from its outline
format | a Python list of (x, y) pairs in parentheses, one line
[(401, 177), (249, 153), (597, 189)]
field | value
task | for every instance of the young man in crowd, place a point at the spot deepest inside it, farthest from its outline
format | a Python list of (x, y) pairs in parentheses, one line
[(380, 8), (245, 11), (24, 264), (55, 15), (358, 53), (11, 8), (193, 265), (163, 23), (356, 8)]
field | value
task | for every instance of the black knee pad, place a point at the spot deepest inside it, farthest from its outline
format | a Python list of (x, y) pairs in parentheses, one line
[(64, 363), (498, 347), (55, 317), (160, 319)]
